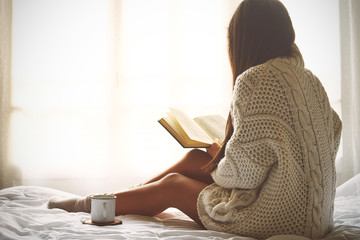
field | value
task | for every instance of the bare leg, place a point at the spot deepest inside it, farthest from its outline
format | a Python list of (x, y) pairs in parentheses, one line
[(190, 166), (178, 187), (173, 190)]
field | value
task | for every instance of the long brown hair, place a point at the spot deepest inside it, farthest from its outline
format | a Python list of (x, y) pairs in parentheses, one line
[(258, 31)]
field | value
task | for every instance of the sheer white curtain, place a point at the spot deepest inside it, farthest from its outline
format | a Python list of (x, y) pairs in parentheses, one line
[(91, 79), (61, 71), (8, 172), (350, 83)]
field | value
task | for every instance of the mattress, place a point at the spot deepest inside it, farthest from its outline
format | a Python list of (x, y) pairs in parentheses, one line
[(24, 215)]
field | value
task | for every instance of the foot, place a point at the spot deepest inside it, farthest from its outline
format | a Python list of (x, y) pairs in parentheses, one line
[(72, 204)]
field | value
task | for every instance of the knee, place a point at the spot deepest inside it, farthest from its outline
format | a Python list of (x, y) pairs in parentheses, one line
[(196, 155), (172, 179), (196, 152)]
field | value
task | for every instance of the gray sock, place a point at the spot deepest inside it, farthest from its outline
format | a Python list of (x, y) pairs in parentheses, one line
[(72, 204)]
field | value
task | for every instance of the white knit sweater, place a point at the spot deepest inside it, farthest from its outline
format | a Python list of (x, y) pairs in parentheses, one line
[(278, 173)]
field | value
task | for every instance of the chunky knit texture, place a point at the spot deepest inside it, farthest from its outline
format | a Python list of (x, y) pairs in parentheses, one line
[(278, 173)]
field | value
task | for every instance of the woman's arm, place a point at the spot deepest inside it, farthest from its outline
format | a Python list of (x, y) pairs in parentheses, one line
[(254, 146)]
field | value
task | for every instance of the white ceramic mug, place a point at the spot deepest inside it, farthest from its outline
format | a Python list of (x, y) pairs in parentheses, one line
[(103, 208)]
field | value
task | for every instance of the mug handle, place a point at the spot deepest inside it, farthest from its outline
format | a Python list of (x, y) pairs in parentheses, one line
[(104, 210)]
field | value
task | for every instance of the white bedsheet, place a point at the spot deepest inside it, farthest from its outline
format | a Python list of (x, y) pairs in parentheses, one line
[(24, 215)]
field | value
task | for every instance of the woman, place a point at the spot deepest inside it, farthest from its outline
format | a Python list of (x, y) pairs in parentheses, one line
[(274, 173)]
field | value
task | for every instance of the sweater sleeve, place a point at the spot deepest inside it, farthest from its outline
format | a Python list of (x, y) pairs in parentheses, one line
[(253, 147)]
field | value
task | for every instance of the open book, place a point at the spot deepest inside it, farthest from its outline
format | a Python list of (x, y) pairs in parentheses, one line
[(199, 132)]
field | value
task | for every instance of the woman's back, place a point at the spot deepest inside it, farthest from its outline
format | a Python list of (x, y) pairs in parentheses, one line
[(283, 149)]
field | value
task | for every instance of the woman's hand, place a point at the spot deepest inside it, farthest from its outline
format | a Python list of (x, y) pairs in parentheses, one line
[(214, 148)]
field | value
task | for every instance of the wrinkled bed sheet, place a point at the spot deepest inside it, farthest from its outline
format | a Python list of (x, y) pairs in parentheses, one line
[(24, 215)]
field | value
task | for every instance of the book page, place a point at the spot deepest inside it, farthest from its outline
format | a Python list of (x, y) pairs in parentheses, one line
[(178, 131), (192, 129), (214, 126), (179, 134)]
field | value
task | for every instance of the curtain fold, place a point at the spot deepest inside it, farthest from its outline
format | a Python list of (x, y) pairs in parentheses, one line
[(350, 84), (8, 173)]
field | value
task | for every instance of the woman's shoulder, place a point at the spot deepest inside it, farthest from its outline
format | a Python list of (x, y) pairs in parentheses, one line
[(249, 81), (255, 71), (256, 74), (273, 69)]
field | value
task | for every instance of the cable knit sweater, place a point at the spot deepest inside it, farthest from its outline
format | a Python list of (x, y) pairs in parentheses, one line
[(278, 173)]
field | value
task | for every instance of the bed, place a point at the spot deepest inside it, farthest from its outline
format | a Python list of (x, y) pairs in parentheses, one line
[(24, 215)]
